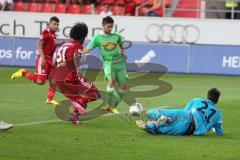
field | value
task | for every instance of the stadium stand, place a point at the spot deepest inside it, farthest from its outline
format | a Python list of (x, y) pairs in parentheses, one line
[(47, 7), (172, 8), (116, 6), (108, 2), (19, 6), (100, 8), (120, 2), (60, 8), (117, 10), (187, 5), (33, 7), (86, 9), (74, 9)]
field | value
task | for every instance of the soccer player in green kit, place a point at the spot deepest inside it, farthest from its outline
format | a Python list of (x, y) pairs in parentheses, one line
[(109, 44)]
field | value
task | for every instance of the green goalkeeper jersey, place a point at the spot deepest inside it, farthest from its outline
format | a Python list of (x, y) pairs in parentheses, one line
[(108, 45)]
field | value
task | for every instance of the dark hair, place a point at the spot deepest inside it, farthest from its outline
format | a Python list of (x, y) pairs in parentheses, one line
[(213, 95), (107, 19), (79, 31), (54, 19)]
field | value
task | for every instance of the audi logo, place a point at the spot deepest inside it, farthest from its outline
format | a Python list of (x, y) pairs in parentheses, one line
[(167, 33)]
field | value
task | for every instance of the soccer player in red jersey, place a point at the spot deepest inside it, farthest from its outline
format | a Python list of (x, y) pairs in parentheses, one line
[(66, 76), (46, 47)]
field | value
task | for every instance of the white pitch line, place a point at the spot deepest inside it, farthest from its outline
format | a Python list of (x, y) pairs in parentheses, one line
[(35, 123), (105, 115)]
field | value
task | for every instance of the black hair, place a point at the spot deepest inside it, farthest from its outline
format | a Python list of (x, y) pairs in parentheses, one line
[(107, 19), (213, 95), (54, 19), (79, 31)]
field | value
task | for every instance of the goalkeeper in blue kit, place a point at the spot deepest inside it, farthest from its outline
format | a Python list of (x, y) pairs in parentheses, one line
[(198, 117)]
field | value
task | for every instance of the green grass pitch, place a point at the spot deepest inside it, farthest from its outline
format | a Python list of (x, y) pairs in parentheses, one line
[(38, 135)]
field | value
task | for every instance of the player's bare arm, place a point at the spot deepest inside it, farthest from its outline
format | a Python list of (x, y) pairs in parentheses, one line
[(86, 50), (40, 51), (76, 60)]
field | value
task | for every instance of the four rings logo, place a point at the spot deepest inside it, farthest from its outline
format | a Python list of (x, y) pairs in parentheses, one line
[(168, 33)]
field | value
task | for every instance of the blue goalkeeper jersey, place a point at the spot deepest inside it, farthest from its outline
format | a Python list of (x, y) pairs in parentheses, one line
[(178, 123), (206, 116)]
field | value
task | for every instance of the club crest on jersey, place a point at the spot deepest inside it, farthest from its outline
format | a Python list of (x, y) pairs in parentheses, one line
[(109, 45)]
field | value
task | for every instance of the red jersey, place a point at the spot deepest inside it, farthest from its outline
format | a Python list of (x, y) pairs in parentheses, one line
[(49, 44), (64, 77), (65, 68)]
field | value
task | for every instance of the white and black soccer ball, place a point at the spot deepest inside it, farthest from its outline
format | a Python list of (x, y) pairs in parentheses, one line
[(135, 109)]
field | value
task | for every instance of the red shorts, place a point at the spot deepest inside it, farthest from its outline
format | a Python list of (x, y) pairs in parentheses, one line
[(78, 88), (42, 71)]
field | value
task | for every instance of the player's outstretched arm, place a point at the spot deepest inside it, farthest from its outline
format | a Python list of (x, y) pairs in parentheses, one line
[(218, 129), (141, 124), (91, 45), (86, 50), (148, 127), (76, 59)]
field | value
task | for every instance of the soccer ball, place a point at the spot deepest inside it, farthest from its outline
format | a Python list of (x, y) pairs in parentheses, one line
[(136, 109)]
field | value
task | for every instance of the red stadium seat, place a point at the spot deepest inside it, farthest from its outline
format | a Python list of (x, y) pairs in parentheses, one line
[(19, 6), (187, 4), (74, 9), (108, 1), (167, 3), (100, 8), (117, 10), (120, 2), (137, 2), (33, 7), (86, 9), (60, 8), (188, 14), (47, 7)]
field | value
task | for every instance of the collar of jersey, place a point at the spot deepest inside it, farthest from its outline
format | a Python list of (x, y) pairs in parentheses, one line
[(102, 33)]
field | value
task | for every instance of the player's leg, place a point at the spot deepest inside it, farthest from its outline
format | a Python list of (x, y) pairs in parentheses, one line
[(80, 92), (51, 90), (66, 90), (50, 96), (18, 74), (79, 104), (35, 78), (121, 77), (110, 76), (87, 94), (39, 77)]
